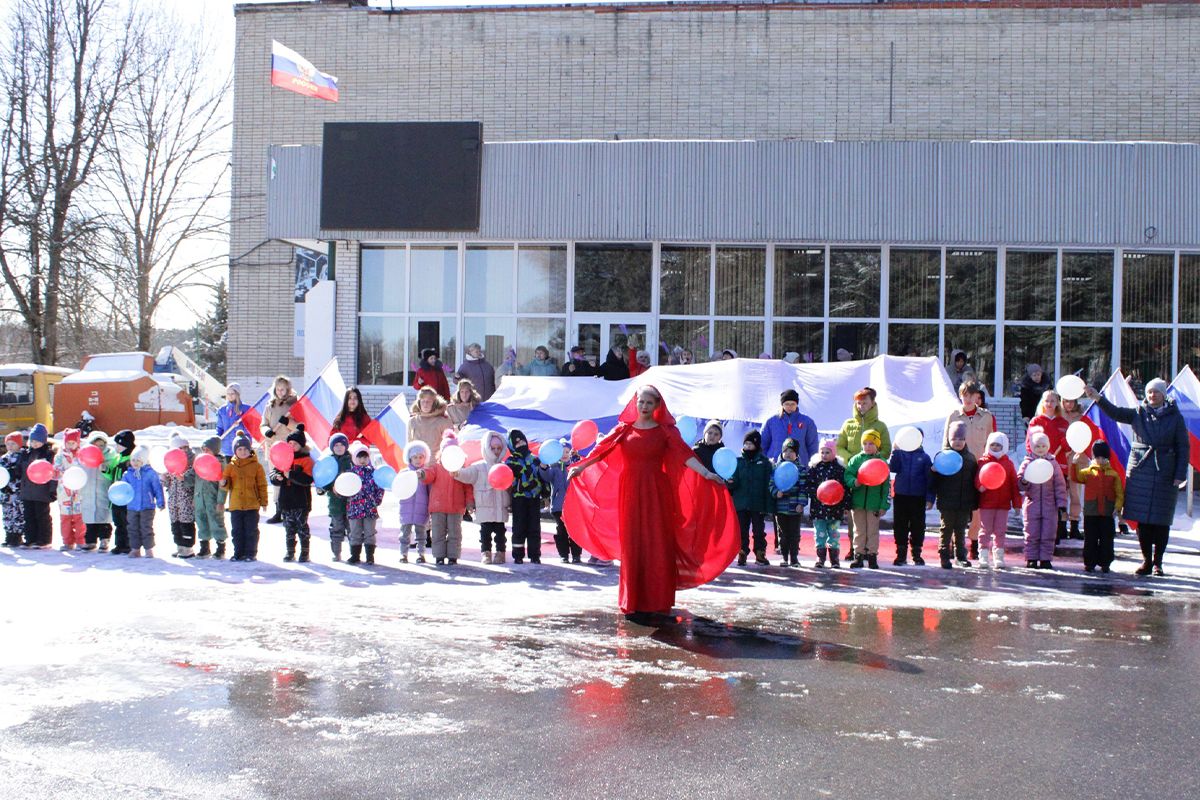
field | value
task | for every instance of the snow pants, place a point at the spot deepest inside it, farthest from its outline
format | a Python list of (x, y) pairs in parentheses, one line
[(141, 528), (362, 531), (789, 535), (39, 531), (563, 543), (995, 523), (908, 512), (71, 528), (1098, 536), (409, 532), (447, 535), (97, 532), (14, 520), (120, 515), (184, 533), (826, 533), (209, 524), (954, 533), (1041, 530), (337, 533), (489, 532), (244, 532), (527, 527)]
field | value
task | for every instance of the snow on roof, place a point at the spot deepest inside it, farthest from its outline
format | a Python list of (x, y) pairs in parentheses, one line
[(117, 361), (15, 369), (106, 376)]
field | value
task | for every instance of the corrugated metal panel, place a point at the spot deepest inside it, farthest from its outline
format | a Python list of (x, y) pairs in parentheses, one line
[(1018, 193)]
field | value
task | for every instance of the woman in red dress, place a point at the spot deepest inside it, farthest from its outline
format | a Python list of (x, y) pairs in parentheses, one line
[(644, 498)]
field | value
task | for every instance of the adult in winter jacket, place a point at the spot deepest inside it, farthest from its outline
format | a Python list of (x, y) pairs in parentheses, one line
[(541, 364), (1157, 468), (229, 416), (980, 424), (277, 424), (789, 423), (577, 365), (431, 374), (1034, 384), (491, 504), (478, 371), (93, 497), (428, 420), (957, 499), (353, 418), (615, 367), (959, 369), (465, 400), (865, 417), (751, 490)]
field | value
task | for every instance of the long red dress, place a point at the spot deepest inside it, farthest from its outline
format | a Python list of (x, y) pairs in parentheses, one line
[(641, 504)]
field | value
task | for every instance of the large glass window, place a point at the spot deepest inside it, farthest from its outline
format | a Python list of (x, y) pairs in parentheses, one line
[(853, 341), (435, 287), (805, 338), (744, 337), (685, 334), (1189, 288), (612, 277), (381, 351), (1029, 285), (1086, 352), (488, 283), (915, 285), (381, 279), (1146, 287), (1189, 349), (684, 282), (550, 333), (970, 284), (542, 279), (800, 282), (741, 282), (1028, 345), (494, 334), (1087, 286), (1145, 355), (912, 340), (854, 283), (979, 343)]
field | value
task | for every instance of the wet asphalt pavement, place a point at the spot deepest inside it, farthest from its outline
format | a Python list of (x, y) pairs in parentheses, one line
[(218, 681)]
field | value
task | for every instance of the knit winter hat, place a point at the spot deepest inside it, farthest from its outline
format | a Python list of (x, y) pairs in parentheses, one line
[(998, 438), (338, 438), (871, 435), (714, 423), (234, 387), (789, 395), (414, 447), (98, 438), (140, 453), (213, 444), (39, 433), (72, 435), (1100, 449), (241, 441), (1032, 368), (791, 444), (1038, 437), (298, 435), (426, 353), (958, 431), (362, 451), (829, 444), (754, 437), (124, 439), (16, 436), (355, 448), (177, 441), (515, 436), (1158, 384)]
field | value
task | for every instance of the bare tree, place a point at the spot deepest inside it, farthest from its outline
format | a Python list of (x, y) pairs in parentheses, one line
[(67, 63), (165, 172)]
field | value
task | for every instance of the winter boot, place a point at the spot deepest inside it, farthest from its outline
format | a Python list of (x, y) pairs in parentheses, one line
[(985, 558), (1075, 532), (820, 557), (1031, 565), (220, 551), (205, 550), (370, 554), (518, 555), (355, 553), (760, 558), (1062, 532), (291, 548), (961, 554), (834, 561), (278, 518), (857, 563), (974, 549), (945, 556), (1145, 569), (997, 557), (304, 541), (872, 561), (1045, 565), (485, 557), (336, 548), (742, 557), (103, 545), (498, 557)]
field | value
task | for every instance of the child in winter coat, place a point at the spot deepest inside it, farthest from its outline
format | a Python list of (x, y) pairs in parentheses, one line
[(526, 490), (363, 508), (709, 443), (491, 504), (957, 500), (115, 470), (70, 504), (1103, 495), (1044, 507), (867, 503), (994, 504), (414, 509), (339, 448), (147, 497), (246, 485), (96, 508), (181, 502), (37, 497), (208, 501), (790, 503), (823, 467), (448, 501), (556, 474), (751, 490), (912, 495), (295, 495), (10, 494)]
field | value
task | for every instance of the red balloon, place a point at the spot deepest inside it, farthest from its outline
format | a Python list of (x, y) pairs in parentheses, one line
[(282, 456), (831, 493), (91, 456), (873, 472), (992, 475), (584, 434), (500, 477), (175, 460), (40, 471), (208, 467)]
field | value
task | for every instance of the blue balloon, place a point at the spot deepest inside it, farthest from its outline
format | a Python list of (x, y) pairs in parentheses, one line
[(120, 493), (551, 451), (384, 477), (325, 471), (725, 462), (786, 475), (947, 462), (687, 428)]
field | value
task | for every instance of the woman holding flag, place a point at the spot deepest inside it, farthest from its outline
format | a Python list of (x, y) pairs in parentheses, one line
[(229, 416), (277, 425), (1157, 468)]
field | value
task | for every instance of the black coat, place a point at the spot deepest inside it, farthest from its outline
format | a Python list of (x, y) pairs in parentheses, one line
[(1158, 460), (705, 452), (957, 492), (35, 492), (577, 369), (614, 368), (1031, 394)]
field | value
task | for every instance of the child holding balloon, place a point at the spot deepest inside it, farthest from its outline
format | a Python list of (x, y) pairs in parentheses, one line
[(414, 508), (789, 481), (362, 508), (70, 504), (1045, 504), (448, 501), (708, 446), (750, 486), (1103, 495), (491, 496), (556, 473), (527, 489), (35, 471), (828, 506), (124, 441), (208, 499), (325, 473), (998, 493), (912, 496), (292, 472), (867, 479), (246, 484), (147, 498), (10, 492), (957, 498), (181, 498)]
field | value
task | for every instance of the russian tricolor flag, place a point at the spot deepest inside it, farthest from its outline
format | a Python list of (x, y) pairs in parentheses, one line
[(250, 423), (291, 71), (1185, 391), (389, 432), (320, 403), (1118, 436)]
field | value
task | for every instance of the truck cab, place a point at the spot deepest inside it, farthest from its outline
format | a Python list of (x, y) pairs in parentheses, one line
[(27, 396)]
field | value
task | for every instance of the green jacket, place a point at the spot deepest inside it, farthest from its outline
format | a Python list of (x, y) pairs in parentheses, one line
[(114, 467), (337, 503), (751, 484), (208, 494), (849, 441), (871, 498)]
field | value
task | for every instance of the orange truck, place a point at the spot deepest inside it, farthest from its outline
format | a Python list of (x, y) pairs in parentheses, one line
[(121, 390)]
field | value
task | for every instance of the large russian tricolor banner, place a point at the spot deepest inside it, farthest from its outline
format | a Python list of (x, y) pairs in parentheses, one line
[(320, 403), (389, 431), (291, 71), (250, 422), (1185, 391), (1118, 435)]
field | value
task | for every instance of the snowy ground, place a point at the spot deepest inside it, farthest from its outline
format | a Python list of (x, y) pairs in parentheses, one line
[(168, 678)]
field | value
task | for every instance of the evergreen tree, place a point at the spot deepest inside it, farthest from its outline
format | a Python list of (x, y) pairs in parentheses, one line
[(208, 337)]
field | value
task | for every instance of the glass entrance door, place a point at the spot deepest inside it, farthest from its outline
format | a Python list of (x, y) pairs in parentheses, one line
[(599, 333)]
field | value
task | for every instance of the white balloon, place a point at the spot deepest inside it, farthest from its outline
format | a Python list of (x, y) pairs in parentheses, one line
[(907, 439), (4, 477), (405, 484), (74, 478), (157, 454), (1079, 436), (1040, 470), (453, 458), (347, 484), (1070, 387)]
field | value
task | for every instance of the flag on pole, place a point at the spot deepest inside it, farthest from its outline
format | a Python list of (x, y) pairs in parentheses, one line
[(292, 71), (389, 432), (320, 403), (1185, 391), (1118, 435), (250, 423)]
